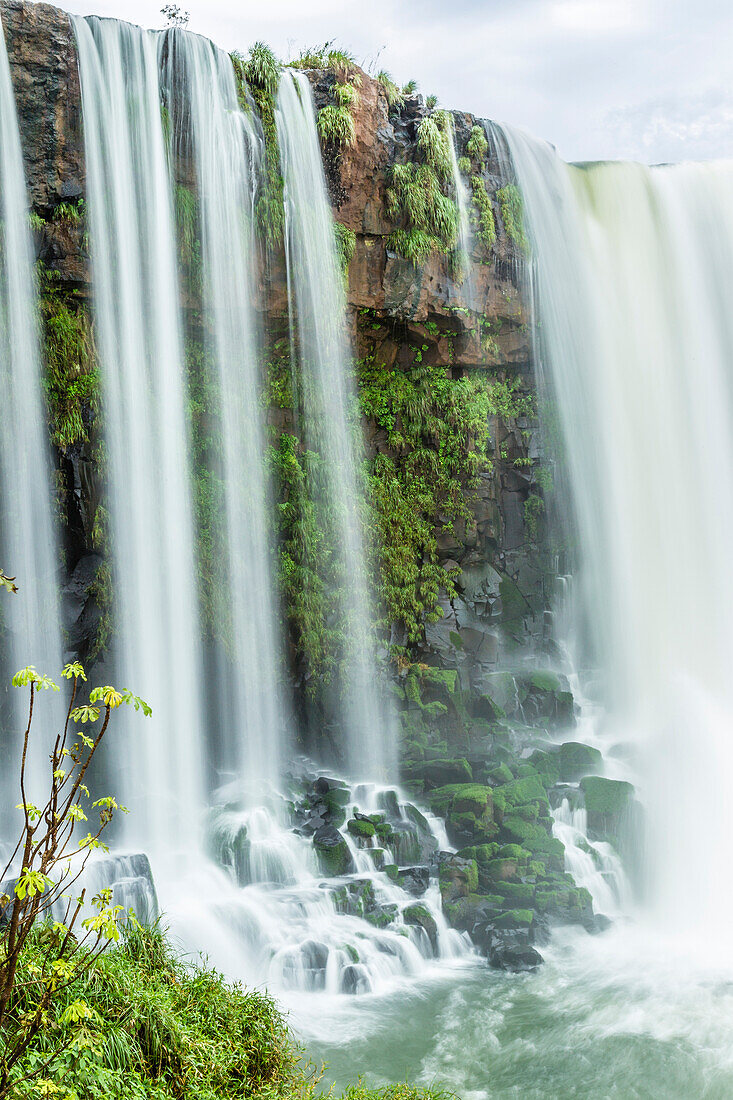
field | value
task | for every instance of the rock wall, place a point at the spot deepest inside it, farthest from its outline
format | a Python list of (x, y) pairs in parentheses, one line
[(401, 314)]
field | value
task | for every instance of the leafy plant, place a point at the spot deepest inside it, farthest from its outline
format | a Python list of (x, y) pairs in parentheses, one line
[(477, 145), (336, 126), (260, 72), (345, 247), (484, 223), (431, 102), (512, 214), (48, 865), (410, 88), (6, 582), (175, 16), (395, 98)]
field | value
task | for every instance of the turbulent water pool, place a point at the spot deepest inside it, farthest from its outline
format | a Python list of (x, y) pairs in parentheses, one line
[(626, 1014)]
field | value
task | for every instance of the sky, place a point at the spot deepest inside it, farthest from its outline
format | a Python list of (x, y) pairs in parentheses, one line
[(649, 80)]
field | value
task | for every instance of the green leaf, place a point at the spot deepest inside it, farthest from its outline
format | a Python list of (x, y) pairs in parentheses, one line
[(85, 714), (74, 671)]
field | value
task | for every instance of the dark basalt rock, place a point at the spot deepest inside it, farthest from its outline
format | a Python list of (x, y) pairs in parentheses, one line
[(333, 851), (414, 880)]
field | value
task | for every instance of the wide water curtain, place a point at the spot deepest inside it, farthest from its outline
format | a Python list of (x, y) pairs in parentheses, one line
[(330, 426), (218, 142), (137, 310), (30, 619), (632, 267)]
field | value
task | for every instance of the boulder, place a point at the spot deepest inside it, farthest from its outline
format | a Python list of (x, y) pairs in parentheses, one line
[(333, 852)]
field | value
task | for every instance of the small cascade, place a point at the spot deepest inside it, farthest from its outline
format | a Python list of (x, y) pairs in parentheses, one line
[(465, 231), (159, 775), (217, 143), (593, 864), (327, 401), (628, 270), (303, 905), (28, 549)]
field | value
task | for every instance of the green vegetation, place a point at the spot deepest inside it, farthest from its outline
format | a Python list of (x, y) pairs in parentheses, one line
[(410, 88), (308, 560), (477, 146), (484, 225), (345, 247), (425, 217), (336, 126), (51, 860), (71, 379), (512, 207), (431, 102), (395, 98), (70, 213), (260, 72), (158, 1029), (437, 428)]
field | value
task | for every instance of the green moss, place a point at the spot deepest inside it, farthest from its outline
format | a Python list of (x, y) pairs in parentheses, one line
[(426, 217), (512, 214), (484, 224), (606, 796), (360, 828), (260, 72), (345, 247), (515, 918), (477, 146), (577, 760), (521, 791), (71, 374), (439, 427), (534, 507)]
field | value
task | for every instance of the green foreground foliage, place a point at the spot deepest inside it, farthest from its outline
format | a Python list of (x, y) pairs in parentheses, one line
[(155, 1028)]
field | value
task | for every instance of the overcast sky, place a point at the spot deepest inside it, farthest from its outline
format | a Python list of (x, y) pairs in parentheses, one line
[(647, 79)]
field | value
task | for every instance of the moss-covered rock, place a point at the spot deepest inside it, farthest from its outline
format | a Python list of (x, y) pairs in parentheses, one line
[(421, 916), (332, 850), (577, 760), (361, 828)]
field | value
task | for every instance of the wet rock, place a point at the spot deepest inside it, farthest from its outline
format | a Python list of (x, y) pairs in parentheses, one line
[(354, 979), (413, 880), (577, 760), (333, 852), (458, 877), (421, 916)]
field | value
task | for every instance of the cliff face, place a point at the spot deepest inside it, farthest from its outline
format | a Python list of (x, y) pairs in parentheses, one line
[(416, 321)]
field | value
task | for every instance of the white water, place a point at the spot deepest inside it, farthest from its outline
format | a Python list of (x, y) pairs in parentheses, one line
[(210, 128), (28, 548), (159, 771), (329, 422), (465, 232), (632, 272)]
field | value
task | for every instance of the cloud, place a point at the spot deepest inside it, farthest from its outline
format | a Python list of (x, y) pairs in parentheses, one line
[(673, 129)]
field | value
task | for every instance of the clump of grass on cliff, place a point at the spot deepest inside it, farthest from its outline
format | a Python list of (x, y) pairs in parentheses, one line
[(144, 1026), (71, 379), (259, 73), (425, 216)]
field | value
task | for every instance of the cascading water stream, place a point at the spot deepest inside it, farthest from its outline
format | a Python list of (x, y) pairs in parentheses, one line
[(630, 269), (28, 546), (465, 232), (137, 308), (211, 132), (327, 400)]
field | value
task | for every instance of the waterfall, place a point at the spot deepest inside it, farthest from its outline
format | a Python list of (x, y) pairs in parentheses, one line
[(323, 356), (211, 130), (136, 301), (28, 549), (631, 268), (465, 233)]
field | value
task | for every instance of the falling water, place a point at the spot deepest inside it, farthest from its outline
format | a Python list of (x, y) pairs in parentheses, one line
[(211, 130), (27, 544), (465, 233), (328, 397), (632, 268), (136, 298)]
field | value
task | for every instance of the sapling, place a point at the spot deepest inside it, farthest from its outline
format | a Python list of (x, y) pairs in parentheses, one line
[(46, 863)]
